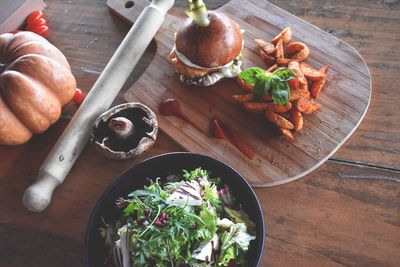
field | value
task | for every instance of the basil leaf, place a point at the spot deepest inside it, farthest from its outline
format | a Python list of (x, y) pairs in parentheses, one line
[(284, 74), (259, 89), (251, 75), (262, 87), (280, 93), (262, 76), (275, 78)]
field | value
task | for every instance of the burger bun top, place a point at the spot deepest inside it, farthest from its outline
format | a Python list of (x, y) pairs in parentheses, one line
[(213, 46)]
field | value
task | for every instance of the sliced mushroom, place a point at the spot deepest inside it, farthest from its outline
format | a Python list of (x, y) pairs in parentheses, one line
[(125, 131)]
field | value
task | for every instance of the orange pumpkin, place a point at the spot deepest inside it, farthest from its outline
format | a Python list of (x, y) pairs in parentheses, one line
[(35, 83)]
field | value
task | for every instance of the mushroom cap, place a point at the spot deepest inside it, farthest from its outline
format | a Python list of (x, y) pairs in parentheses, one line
[(144, 136)]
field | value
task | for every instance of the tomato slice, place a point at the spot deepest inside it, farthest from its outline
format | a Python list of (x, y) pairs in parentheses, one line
[(41, 30), (36, 23), (35, 15)]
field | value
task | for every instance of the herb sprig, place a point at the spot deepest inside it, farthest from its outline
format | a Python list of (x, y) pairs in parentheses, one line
[(274, 84)]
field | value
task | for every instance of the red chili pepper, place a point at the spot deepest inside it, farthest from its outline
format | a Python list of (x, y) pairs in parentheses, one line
[(35, 24), (79, 96), (42, 30), (35, 15)]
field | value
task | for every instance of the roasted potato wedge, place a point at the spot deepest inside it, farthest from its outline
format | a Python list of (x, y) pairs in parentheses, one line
[(295, 67), (285, 35), (272, 68), (249, 98), (259, 107), (280, 53), (268, 59), (283, 61), (316, 87), (287, 134), (296, 94), (297, 119), (311, 73), (268, 48), (307, 105), (244, 86), (278, 120), (297, 51), (293, 84)]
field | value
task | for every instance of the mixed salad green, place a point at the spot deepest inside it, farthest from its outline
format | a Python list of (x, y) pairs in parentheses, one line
[(191, 220)]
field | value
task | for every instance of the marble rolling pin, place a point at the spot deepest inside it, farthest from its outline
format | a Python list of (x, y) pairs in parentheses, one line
[(71, 143)]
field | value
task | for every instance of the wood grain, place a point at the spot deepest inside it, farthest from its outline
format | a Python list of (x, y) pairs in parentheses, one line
[(346, 213), (345, 98), (376, 142)]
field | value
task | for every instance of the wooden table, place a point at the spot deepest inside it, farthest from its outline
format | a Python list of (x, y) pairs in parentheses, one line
[(345, 213)]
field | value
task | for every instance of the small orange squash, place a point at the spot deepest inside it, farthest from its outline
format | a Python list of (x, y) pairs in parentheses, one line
[(35, 83)]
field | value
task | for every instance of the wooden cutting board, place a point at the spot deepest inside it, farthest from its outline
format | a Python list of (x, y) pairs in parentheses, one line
[(344, 99)]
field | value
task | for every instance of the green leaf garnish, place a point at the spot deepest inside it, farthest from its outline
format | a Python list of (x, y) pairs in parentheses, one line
[(280, 93), (261, 87), (274, 84), (284, 74), (251, 75), (194, 174)]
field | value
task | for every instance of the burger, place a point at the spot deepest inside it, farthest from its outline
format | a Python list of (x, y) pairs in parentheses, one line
[(208, 47)]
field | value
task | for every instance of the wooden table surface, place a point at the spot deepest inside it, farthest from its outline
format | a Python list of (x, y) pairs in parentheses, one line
[(346, 213)]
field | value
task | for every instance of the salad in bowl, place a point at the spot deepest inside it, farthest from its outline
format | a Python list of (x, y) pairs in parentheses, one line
[(180, 217)]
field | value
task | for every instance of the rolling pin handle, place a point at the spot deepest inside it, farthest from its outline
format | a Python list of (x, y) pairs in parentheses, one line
[(37, 197)]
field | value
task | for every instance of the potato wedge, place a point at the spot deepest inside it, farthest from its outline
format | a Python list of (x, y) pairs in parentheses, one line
[(268, 48), (317, 86), (297, 51), (311, 73), (283, 61), (245, 86), (272, 68), (296, 94), (269, 60), (278, 120), (249, 98), (295, 67), (287, 134), (324, 69), (293, 84), (280, 53), (297, 119), (307, 105), (304, 87), (285, 35), (259, 107)]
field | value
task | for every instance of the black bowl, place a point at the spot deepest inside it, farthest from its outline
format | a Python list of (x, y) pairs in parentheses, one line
[(161, 166)]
